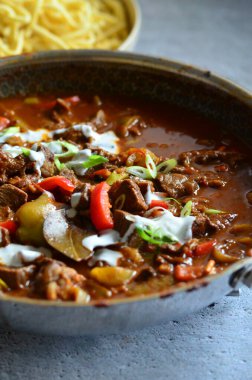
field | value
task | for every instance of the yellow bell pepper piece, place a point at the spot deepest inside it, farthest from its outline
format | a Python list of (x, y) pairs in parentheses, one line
[(112, 276), (31, 216)]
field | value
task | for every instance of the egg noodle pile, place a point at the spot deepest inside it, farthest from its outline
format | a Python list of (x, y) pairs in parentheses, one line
[(35, 25)]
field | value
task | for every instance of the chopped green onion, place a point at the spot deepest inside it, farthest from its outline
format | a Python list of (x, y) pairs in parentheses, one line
[(31, 101), (3, 284), (187, 209), (58, 164), (212, 211), (150, 164), (10, 131), (166, 166), (154, 236), (149, 172), (26, 152), (94, 160), (71, 149), (139, 171), (114, 177)]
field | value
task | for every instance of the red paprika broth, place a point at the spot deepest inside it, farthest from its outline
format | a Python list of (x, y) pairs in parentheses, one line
[(211, 185)]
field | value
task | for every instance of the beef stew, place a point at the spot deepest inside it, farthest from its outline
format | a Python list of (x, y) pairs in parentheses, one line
[(103, 198)]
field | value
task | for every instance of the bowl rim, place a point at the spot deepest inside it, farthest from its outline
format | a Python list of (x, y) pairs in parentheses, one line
[(159, 64), (133, 59)]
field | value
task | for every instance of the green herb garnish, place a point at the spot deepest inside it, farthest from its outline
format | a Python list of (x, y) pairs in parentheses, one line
[(153, 236), (94, 160), (58, 164), (166, 166), (26, 152), (212, 211), (187, 209)]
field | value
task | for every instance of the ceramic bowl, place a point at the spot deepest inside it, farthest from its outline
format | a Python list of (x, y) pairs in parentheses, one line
[(135, 20), (130, 75)]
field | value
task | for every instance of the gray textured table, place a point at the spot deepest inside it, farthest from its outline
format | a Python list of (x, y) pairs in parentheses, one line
[(215, 343)]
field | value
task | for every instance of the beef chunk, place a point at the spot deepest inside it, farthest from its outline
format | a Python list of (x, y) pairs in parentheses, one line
[(221, 221), (84, 201), (10, 167), (143, 186), (12, 196), (177, 185), (64, 130), (48, 167), (183, 169), (199, 204), (24, 182), (126, 195), (210, 224), (200, 226), (55, 280), (121, 224), (17, 278), (5, 213), (69, 174), (208, 178), (206, 157), (4, 237)]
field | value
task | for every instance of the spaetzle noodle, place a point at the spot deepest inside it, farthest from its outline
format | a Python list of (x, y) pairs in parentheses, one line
[(33, 25)]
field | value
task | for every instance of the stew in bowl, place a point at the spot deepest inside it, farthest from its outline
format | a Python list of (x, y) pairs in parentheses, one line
[(108, 198)]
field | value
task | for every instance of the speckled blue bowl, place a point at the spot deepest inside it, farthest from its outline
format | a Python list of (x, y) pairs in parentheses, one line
[(134, 76)]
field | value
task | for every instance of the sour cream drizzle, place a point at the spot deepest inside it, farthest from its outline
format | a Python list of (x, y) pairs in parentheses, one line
[(38, 158), (150, 196), (107, 140), (76, 163), (75, 199), (107, 237), (108, 255), (177, 228), (15, 255), (29, 136), (34, 136), (13, 151)]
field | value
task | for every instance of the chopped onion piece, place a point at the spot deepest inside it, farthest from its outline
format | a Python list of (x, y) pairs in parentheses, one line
[(139, 171), (166, 166), (151, 167)]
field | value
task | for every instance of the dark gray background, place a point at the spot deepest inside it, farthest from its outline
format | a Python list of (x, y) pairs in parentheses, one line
[(215, 343)]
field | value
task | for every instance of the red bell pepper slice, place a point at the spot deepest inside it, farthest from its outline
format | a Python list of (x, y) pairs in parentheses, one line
[(204, 248), (52, 183), (4, 122), (10, 225), (158, 203), (100, 207)]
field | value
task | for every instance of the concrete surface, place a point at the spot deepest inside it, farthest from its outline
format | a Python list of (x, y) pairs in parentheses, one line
[(213, 344)]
